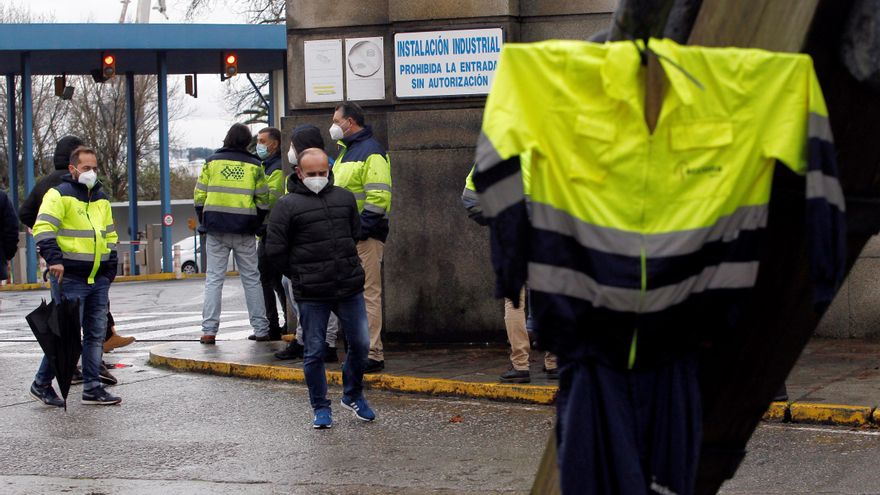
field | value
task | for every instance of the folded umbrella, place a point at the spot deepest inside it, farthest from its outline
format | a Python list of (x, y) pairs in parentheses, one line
[(57, 327)]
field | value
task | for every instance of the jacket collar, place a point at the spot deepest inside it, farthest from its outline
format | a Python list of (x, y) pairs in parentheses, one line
[(620, 70), (361, 135), (68, 177)]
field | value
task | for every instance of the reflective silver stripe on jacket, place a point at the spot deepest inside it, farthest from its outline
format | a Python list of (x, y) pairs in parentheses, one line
[(377, 186), (374, 208), (84, 234), (628, 243), (42, 236), (565, 281), (231, 209), (49, 219), (825, 187), (235, 190), (83, 256), (503, 194)]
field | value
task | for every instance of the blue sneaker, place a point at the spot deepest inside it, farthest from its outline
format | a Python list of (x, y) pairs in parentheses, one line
[(359, 407), (323, 419)]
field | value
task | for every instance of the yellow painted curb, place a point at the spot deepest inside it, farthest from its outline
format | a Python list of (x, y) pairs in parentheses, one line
[(831, 414), (120, 278), (432, 386), (18, 287), (876, 416), (776, 411)]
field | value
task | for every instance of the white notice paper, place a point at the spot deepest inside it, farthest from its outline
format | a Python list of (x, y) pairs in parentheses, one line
[(365, 68), (323, 70)]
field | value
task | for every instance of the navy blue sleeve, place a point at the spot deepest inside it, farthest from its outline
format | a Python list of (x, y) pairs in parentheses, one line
[(500, 192), (825, 217)]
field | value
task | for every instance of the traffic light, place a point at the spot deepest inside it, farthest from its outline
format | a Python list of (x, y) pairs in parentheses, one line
[(108, 66), (230, 65)]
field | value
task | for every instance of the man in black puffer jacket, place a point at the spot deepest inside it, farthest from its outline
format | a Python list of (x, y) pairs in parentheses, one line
[(312, 239)]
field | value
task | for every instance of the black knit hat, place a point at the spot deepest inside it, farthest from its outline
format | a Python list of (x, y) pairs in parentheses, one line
[(63, 150), (306, 136)]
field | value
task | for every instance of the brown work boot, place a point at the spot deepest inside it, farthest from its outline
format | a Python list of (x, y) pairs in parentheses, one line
[(116, 341)]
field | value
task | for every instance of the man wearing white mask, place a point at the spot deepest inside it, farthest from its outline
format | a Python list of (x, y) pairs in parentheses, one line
[(312, 239), (364, 168), (76, 236)]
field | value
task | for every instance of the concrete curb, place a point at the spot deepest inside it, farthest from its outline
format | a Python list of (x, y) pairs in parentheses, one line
[(532, 394), (120, 278), (824, 414), (787, 412)]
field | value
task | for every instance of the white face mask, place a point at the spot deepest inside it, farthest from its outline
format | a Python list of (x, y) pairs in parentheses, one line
[(315, 184), (88, 178), (291, 156), (336, 132)]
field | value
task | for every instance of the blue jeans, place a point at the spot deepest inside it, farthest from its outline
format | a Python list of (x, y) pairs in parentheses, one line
[(94, 301), (244, 248), (352, 313)]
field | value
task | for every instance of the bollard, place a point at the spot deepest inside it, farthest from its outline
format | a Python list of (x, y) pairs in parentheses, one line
[(177, 272), (126, 263)]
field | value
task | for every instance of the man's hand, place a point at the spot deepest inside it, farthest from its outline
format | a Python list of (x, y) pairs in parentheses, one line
[(57, 271)]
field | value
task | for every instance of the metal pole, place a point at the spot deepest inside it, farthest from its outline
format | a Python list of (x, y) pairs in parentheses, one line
[(271, 103), (132, 173), (27, 152), (11, 139), (164, 163)]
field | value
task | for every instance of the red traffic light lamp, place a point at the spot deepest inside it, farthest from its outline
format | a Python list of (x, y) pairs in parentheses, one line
[(108, 66), (230, 66)]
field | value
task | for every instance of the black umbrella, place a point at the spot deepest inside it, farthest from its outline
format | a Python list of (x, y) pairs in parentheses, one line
[(57, 329)]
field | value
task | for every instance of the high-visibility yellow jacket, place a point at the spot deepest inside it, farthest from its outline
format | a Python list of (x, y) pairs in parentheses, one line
[(75, 228), (364, 168), (275, 180), (231, 194), (639, 237)]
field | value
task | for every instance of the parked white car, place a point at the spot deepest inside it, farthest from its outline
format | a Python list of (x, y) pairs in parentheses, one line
[(191, 256)]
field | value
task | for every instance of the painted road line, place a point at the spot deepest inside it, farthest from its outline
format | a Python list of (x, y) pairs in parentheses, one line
[(158, 334), (158, 323)]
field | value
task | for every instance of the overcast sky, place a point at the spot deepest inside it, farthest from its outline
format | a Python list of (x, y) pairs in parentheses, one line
[(208, 115)]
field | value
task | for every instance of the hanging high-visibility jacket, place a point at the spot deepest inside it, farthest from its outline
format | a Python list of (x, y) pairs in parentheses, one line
[(641, 240), (231, 194), (469, 195), (364, 168), (75, 228)]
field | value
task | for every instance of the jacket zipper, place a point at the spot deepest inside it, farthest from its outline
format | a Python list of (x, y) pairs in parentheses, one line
[(97, 262), (643, 259)]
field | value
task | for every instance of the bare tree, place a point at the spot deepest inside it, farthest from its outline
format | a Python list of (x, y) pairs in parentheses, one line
[(101, 121), (239, 92), (50, 114), (255, 11)]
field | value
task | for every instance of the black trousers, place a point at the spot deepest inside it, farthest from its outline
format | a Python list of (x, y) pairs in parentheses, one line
[(270, 279)]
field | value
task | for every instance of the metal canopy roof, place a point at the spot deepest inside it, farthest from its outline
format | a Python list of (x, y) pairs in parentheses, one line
[(189, 48)]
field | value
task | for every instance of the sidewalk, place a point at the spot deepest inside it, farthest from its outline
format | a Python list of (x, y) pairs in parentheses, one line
[(834, 382)]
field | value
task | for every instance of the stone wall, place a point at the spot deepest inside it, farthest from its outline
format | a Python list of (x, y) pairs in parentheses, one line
[(855, 312), (438, 281)]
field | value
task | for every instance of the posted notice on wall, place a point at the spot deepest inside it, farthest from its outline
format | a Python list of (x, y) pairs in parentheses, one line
[(446, 63), (365, 68), (322, 64)]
